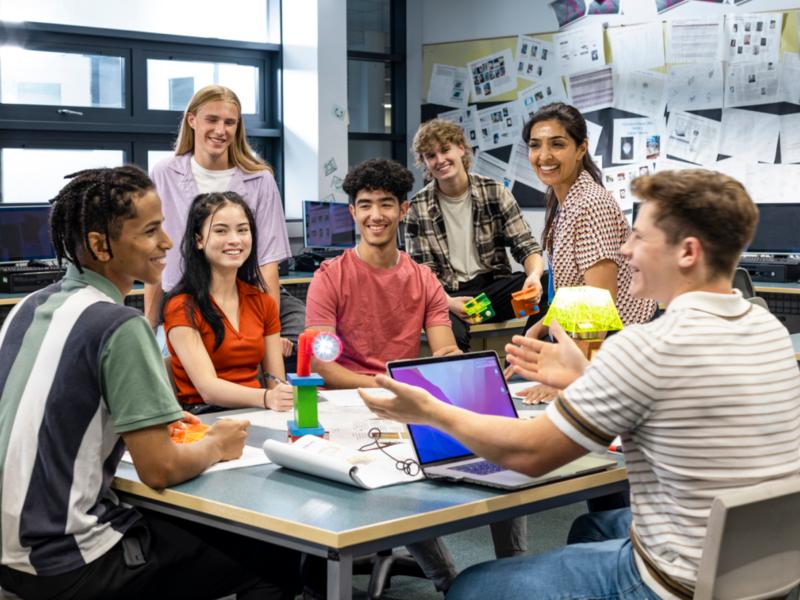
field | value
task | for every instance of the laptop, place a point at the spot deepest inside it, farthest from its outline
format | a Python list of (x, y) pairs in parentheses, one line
[(475, 382), (329, 228)]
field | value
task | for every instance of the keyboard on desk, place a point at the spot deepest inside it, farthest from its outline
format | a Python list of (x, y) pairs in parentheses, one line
[(26, 269), (479, 468)]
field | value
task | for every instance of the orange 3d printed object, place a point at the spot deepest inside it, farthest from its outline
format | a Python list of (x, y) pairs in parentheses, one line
[(190, 435), (523, 302)]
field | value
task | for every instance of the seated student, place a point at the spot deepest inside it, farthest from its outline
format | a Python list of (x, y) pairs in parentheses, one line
[(680, 390), (221, 323), (82, 378), (378, 301), (468, 260)]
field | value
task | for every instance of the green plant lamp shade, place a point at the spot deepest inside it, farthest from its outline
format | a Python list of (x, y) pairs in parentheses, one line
[(583, 311)]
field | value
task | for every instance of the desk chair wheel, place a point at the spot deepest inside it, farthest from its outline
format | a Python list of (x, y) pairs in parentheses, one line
[(382, 566)]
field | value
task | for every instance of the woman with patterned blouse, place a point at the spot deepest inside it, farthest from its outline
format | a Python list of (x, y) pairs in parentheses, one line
[(584, 226)]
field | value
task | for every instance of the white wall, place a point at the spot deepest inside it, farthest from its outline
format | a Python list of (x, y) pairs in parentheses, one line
[(442, 21)]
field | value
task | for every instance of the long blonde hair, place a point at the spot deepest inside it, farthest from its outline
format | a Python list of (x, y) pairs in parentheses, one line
[(240, 154)]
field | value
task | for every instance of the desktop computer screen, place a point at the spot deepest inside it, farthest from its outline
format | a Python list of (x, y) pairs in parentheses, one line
[(25, 233), (778, 230), (328, 224)]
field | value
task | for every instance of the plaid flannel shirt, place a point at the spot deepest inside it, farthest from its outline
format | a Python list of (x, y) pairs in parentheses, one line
[(498, 224)]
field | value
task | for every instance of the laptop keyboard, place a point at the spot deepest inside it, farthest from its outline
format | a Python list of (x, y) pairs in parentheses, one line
[(479, 468)]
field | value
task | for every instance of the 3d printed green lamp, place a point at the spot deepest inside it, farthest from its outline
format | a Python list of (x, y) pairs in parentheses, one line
[(583, 312)]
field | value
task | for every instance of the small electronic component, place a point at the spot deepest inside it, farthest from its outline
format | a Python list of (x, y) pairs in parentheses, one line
[(479, 309)]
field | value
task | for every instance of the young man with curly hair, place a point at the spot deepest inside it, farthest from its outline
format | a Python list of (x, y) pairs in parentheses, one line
[(460, 225), (378, 301)]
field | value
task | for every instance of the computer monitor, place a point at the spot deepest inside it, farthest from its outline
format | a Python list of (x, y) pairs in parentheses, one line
[(778, 230), (25, 233), (328, 225)]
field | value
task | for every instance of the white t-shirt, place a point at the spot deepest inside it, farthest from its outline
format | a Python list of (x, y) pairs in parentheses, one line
[(457, 215), (706, 400), (211, 181)]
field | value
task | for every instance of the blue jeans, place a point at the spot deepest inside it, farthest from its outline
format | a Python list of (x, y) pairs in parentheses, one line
[(598, 562)]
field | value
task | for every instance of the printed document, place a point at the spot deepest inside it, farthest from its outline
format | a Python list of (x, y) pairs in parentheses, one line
[(772, 183), (695, 87), (592, 90), (490, 166), (694, 40), (536, 59), (665, 5), (593, 132), (642, 93), (755, 36), (541, 94), (790, 138), (693, 138), (580, 49), (750, 135), (520, 169), (465, 118), (251, 457), (617, 181), (751, 83), (636, 140), (789, 87), (448, 86), (492, 75), (500, 125), (638, 47)]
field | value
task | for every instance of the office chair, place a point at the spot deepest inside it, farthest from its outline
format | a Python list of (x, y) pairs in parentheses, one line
[(752, 545), (384, 565), (743, 283)]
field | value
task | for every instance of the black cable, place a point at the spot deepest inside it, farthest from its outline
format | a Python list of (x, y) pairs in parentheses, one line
[(406, 466)]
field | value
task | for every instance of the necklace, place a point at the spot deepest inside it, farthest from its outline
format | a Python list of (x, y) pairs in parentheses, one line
[(395, 262)]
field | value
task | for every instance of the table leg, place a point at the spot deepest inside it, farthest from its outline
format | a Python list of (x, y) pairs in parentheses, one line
[(340, 575)]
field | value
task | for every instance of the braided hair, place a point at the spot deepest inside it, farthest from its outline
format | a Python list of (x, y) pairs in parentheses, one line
[(98, 200)]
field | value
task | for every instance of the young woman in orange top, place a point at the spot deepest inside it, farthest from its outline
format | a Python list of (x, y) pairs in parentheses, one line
[(221, 323)]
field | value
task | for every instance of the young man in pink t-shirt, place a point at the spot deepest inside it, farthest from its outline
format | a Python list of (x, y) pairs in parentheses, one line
[(375, 297), (378, 300)]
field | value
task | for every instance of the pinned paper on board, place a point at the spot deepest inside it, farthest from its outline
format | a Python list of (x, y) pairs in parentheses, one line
[(752, 83), (695, 87), (749, 135), (637, 47), (665, 5), (580, 49), (536, 59), (448, 86), (642, 93), (337, 183), (755, 36), (500, 125), (695, 39), (636, 140), (339, 112), (464, 118), (492, 75), (541, 94), (568, 12), (693, 138), (329, 166), (592, 90)]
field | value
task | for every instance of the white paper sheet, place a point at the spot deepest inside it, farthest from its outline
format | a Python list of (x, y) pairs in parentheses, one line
[(465, 118), (251, 457), (617, 181), (541, 94), (342, 398), (520, 169), (492, 75), (790, 138), (490, 166), (665, 5), (789, 87), (515, 388), (753, 36), (692, 138), (750, 135), (355, 434), (536, 59), (695, 87), (500, 125), (329, 415), (580, 49), (593, 133), (751, 83), (772, 183), (637, 47), (732, 167), (642, 93), (448, 86), (694, 40), (636, 140), (592, 90)]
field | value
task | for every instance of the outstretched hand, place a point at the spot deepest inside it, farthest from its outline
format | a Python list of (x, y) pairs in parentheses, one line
[(409, 404), (556, 365)]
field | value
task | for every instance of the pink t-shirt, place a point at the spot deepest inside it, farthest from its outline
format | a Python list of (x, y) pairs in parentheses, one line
[(378, 313)]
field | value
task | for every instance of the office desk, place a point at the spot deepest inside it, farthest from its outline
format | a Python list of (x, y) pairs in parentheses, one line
[(340, 522), (796, 343)]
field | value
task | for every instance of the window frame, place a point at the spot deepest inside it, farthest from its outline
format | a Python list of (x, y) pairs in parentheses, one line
[(135, 125)]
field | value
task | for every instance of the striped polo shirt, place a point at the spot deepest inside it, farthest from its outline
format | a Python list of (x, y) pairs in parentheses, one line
[(707, 402), (77, 369)]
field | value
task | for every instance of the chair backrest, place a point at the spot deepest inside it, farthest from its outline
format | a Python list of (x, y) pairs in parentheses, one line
[(742, 281), (752, 546), (759, 301), (170, 374)]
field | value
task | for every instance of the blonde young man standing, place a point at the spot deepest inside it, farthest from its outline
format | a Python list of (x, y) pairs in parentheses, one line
[(706, 400), (460, 225)]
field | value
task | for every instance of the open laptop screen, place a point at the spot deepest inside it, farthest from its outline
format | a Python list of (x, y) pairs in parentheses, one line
[(471, 381)]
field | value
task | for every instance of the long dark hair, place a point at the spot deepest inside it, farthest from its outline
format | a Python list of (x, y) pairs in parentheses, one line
[(575, 125), (196, 279)]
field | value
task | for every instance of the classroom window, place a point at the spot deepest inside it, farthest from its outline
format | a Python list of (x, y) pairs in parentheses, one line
[(369, 89), (368, 26), (61, 78), (156, 156), (26, 180)]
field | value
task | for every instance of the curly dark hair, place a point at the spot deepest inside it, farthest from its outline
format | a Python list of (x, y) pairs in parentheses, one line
[(379, 174), (98, 200)]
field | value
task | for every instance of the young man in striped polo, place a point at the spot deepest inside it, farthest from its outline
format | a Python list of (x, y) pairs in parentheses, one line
[(81, 378), (706, 400)]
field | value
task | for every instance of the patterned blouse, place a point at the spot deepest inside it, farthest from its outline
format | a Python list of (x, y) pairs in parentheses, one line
[(591, 227)]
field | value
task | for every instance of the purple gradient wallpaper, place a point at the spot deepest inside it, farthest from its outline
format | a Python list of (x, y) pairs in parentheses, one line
[(475, 384)]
